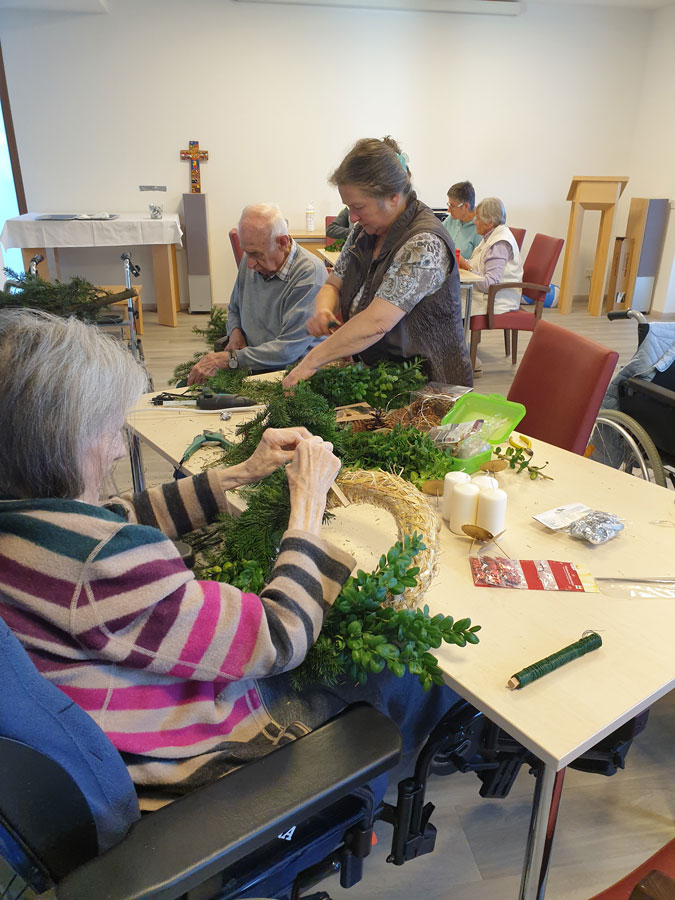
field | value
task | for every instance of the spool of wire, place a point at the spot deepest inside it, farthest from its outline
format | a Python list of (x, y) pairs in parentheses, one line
[(590, 640)]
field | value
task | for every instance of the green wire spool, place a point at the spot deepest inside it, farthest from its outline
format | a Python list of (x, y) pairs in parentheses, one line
[(588, 642)]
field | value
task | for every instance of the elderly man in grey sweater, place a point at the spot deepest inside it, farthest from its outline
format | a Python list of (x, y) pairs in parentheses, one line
[(272, 299)]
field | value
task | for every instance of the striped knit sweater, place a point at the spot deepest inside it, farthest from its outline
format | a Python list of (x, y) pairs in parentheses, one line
[(164, 663)]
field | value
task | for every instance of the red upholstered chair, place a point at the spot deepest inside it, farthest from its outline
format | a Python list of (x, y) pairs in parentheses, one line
[(519, 235), (562, 379), (663, 862), (538, 269), (329, 240), (236, 246)]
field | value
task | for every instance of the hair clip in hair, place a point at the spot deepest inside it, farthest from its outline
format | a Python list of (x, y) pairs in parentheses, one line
[(404, 159)]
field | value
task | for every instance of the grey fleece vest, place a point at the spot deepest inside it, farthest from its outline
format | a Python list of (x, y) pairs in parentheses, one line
[(433, 329)]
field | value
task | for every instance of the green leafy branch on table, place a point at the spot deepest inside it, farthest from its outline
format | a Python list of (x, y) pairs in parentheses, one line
[(520, 459), (361, 636)]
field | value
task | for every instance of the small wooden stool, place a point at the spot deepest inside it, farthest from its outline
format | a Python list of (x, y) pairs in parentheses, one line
[(138, 306)]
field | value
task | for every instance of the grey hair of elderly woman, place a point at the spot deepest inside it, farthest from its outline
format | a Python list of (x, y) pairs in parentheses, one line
[(65, 385), (492, 210)]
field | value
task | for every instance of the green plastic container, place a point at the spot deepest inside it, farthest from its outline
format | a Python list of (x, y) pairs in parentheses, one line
[(474, 406)]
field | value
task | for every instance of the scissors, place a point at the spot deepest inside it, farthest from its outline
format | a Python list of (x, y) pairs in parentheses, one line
[(520, 442)]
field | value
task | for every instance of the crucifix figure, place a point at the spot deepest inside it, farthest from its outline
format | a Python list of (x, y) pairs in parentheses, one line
[(195, 155)]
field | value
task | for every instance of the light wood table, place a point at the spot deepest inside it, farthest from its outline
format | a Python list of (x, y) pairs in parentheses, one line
[(560, 716), (314, 241)]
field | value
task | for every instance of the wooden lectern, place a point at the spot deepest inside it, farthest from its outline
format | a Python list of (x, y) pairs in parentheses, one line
[(589, 192)]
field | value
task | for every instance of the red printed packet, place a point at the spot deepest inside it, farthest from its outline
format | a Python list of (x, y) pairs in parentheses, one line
[(530, 574)]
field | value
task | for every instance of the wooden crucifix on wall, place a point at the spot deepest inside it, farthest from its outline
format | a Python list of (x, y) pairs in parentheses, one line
[(196, 156)]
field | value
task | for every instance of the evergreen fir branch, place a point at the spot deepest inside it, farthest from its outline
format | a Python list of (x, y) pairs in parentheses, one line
[(216, 327), (76, 297)]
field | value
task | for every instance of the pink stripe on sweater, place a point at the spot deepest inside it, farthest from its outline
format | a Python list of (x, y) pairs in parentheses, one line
[(203, 630), (139, 697), (246, 637), (150, 741)]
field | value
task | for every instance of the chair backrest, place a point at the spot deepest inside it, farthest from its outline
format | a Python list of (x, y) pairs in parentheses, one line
[(562, 379), (519, 235), (539, 266), (236, 246), (65, 793)]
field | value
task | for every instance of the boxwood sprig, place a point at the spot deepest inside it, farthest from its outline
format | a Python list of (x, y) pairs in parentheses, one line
[(361, 635)]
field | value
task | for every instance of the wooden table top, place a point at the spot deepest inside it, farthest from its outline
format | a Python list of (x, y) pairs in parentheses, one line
[(569, 710)]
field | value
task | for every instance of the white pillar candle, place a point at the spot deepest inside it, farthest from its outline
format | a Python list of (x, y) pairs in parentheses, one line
[(463, 503), (491, 514), (450, 480), (484, 481)]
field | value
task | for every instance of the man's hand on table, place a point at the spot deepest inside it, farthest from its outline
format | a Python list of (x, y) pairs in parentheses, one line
[(207, 366)]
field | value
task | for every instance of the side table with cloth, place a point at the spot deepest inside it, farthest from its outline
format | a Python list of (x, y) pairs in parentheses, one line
[(34, 235)]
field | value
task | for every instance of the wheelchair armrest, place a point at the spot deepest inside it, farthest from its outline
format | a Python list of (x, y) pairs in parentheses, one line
[(649, 389), (176, 848)]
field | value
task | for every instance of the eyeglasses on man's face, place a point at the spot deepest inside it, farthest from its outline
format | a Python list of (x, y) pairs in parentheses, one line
[(452, 205)]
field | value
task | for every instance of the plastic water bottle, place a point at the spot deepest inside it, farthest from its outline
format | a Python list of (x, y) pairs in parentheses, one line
[(309, 217)]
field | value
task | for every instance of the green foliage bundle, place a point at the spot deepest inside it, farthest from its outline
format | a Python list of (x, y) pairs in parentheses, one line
[(76, 297), (216, 327), (361, 636), (301, 407), (246, 574), (336, 246), (385, 384), (404, 450)]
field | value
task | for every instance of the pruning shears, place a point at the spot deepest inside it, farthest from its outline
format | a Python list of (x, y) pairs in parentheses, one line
[(520, 442), (206, 437)]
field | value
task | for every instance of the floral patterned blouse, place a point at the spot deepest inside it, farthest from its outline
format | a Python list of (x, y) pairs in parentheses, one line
[(419, 268)]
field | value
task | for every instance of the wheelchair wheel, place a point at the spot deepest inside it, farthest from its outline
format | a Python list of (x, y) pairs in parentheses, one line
[(619, 441)]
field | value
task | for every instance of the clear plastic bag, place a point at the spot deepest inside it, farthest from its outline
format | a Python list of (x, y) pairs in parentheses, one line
[(596, 527)]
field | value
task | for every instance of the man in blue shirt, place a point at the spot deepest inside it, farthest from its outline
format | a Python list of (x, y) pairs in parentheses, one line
[(459, 224)]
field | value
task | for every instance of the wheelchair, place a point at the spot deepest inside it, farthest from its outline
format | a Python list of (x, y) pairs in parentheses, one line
[(70, 820), (638, 437)]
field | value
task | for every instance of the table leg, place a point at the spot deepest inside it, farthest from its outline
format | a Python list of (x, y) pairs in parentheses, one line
[(467, 310), (545, 803), (166, 283)]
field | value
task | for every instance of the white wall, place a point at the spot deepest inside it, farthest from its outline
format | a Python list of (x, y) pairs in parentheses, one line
[(276, 94), (654, 141)]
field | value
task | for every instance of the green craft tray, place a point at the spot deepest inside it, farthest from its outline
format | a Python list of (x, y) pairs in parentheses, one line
[(479, 406)]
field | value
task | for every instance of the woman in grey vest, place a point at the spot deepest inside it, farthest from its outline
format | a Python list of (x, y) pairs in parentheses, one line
[(394, 291)]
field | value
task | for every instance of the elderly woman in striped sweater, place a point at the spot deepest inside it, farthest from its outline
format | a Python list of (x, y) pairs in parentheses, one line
[(185, 677)]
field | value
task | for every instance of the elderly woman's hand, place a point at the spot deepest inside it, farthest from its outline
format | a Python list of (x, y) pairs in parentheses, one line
[(276, 448), (310, 475), (207, 366), (463, 263)]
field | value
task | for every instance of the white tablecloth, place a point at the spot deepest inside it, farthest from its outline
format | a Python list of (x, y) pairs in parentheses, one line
[(129, 229)]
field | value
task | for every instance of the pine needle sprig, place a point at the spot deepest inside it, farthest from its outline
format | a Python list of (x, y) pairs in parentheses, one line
[(76, 297), (216, 327)]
